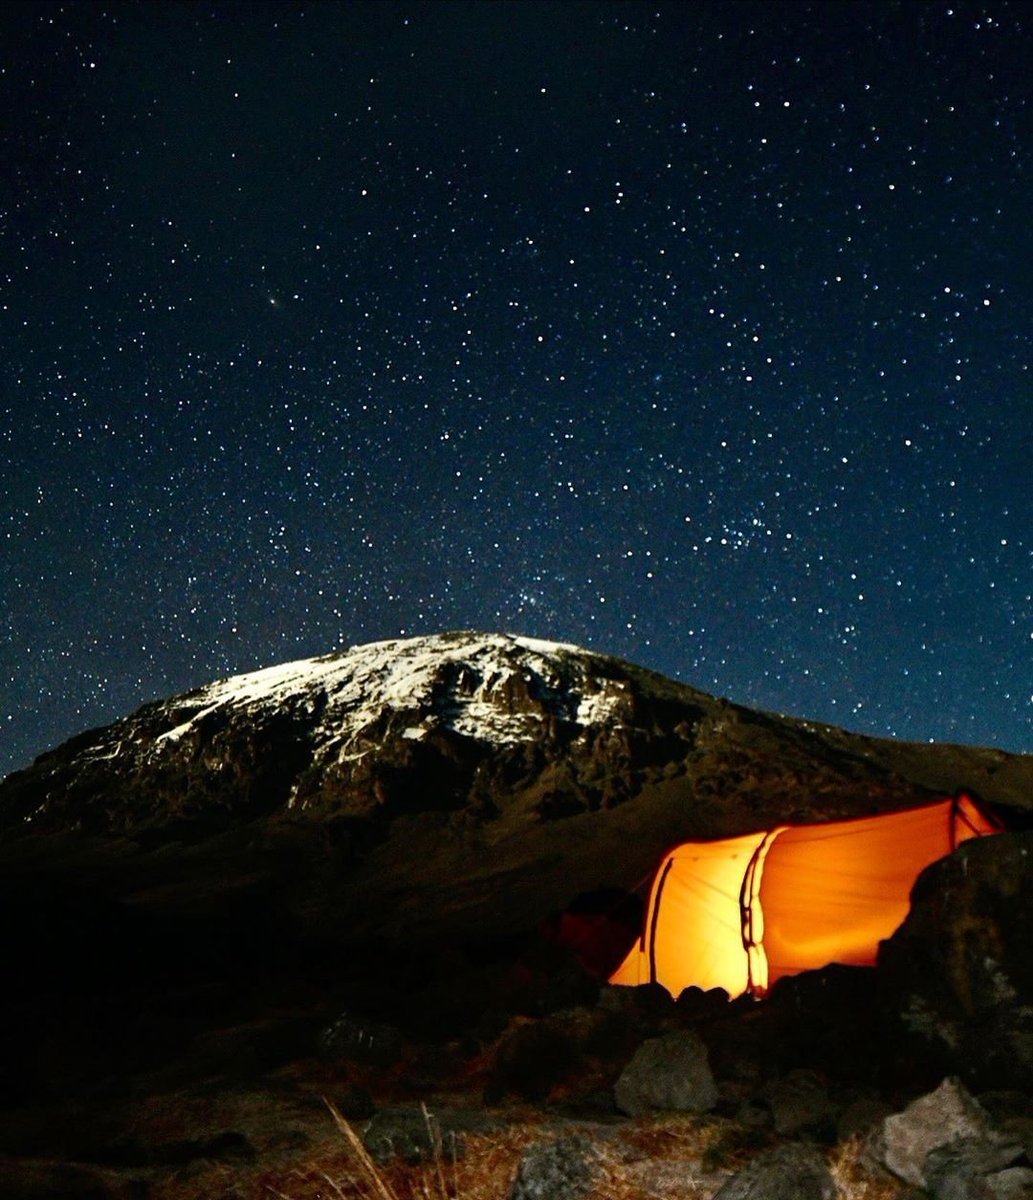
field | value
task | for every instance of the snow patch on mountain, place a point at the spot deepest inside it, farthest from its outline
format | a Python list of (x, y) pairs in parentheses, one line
[(470, 683)]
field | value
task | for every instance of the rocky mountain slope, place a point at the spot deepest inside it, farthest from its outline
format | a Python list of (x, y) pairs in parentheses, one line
[(450, 784), (462, 721)]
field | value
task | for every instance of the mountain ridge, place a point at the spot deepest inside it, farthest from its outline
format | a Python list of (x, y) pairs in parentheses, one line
[(477, 713)]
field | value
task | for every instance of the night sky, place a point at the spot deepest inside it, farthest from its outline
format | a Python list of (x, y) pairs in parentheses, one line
[(694, 333)]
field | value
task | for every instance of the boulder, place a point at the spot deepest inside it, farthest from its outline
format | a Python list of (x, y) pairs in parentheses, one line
[(668, 1073), (354, 1039), (789, 1172), (860, 1115), (957, 976), (417, 1135), (825, 1019), (531, 1060), (800, 1104), (563, 1169), (903, 1142), (972, 1169)]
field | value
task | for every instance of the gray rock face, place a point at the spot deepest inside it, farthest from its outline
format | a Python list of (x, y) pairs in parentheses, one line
[(791, 1172), (667, 1074), (958, 974), (905, 1140)]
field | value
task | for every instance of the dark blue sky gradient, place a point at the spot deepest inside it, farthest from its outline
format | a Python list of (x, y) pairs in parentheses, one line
[(698, 334)]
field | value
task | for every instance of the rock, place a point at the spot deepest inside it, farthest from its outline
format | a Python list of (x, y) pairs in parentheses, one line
[(790, 1172), (407, 1134), (1014, 1183), (361, 1041), (968, 1168), (1020, 1130), (753, 1114), (1012, 1115), (649, 1006), (1007, 1104), (564, 1169), (669, 1073), (800, 1103), (997, 1051), (695, 1004), (957, 976), (530, 1061), (860, 1116), (418, 1135), (827, 1020), (904, 1140), (231, 1146)]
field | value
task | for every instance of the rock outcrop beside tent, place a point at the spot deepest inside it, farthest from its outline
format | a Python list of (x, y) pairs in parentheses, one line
[(958, 976)]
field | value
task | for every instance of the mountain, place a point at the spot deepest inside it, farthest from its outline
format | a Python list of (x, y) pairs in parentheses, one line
[(463, 786), (467, 722), (396, 830)]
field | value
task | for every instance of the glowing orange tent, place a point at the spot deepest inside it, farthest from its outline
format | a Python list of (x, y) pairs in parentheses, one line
[(740, 913)]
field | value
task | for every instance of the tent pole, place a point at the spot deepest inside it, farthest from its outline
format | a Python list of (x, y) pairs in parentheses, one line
[(656, 918)]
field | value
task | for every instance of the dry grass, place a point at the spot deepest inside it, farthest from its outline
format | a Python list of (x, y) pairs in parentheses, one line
[(489, 1164), (662, 1158), (852, 1181), (484, 1172)]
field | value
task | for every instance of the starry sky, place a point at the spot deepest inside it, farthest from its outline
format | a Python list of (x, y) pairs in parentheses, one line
[(694, 333)]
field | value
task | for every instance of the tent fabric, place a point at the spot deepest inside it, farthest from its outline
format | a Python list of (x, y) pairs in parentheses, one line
[(744, 912)]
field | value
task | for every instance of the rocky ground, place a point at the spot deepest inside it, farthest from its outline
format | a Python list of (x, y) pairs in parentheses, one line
[(253, 934), (912, 1079)]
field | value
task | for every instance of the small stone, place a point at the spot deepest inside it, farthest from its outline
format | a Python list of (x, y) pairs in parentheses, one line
[(564, 1169), (667, 1074), (800, 1103), (860, 1116), (418, 1135), (790, 1172), (356, 1040)]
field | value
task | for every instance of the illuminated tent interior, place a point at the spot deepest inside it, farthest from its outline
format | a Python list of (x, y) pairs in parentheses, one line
[(741, 913)]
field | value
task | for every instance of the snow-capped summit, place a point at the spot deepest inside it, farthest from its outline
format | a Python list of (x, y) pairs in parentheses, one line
[(420, 721), (491, 687)]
